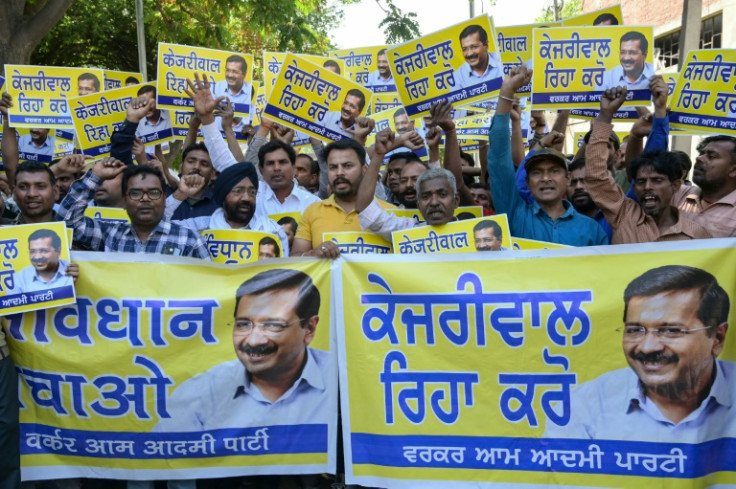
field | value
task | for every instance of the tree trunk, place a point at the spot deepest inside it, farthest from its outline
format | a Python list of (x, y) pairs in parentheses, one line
[(23, 26)]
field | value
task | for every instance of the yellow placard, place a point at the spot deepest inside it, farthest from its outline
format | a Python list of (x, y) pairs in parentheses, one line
[(258, 104), (98, 115), (361, 66), (579, 137), (171, 350), (603, 17), (223, 69), (460, 64), (532, 244), (272, 63), (671, 80), (398, 121), (515, 47), (316, 101), (109, 214), (501, 370), (237, 246), (704, 98), (574, 65), (474, 126), (350, 242), (385, 101), (34, 268), (481, 234), (41, 93), (120, 79), (36, 144), (621, 115)]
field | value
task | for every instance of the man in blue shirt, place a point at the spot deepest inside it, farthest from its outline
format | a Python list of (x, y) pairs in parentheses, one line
[(481, 66), (634, 72), (234, 86), (381, 80), (549, 217)]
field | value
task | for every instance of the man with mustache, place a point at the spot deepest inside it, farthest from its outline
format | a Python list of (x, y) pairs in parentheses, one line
[(277, 378), (381, 80), (343, 122), (234, 87), (156, 121), (481, 66), (47, 270), (676, 390), (577, 194), (487, 236), (657, 177), (195, 160), (634, 72)]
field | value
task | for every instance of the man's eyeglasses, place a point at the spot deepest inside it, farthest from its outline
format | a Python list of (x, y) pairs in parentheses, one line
[(246, 326), (153, 194), (239, 191), (632, 333)]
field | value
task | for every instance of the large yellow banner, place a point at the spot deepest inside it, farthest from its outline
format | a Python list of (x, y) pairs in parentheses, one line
[(159, 372), (491, 370), (704, 98)]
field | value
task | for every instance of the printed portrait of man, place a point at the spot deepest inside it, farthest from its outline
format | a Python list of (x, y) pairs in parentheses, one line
[(480, 64), (343, 121), (381, 80), (87, 83), (47, 270), (234, 86), (487, 236), (675, 388), (267, 248), (634, 72), (276, 377)]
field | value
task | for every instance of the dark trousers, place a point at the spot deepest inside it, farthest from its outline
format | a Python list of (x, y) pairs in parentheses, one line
[(9, 426)]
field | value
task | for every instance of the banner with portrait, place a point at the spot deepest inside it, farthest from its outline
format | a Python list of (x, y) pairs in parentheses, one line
[(153, 375), (98, 115), (361, 66), (238, 246), (704, 98), (573, 66), (41, 93), (358, 242), (460, 64), (119, 79), (35, 259), (272, 63), (468, 235), (505, 369), (398, 121), (230, 74), (316, 101)]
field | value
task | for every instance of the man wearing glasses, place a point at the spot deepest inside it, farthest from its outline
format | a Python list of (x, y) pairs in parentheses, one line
[(143, 193), (634, 72), (676, 390), (277, 378)]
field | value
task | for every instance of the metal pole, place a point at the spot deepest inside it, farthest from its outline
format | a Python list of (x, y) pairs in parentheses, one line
[(472, 8), (140, 28)]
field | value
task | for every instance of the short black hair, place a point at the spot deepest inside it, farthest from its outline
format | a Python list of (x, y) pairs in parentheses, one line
[(194, 147), (637, 36), (134, 170), (475, 29), (35, 167), (479, 185), (346, 143), (399, 111), (283, 279), (289, 220), (275, 145), (714, 302), (380, 52), (132, 79), (268, 240), (487, 223), (357, 93), (409, 156), (662, 162), (236, 58), (334, 64), (606, 17), (576, 164), (314, 164), (147, 89), (467, 157), (46, 233), (683, 160), (718, 138), (90, 76)]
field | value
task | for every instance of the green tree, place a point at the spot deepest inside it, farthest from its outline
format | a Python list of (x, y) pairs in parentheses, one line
[(398, 27), (565, 8)]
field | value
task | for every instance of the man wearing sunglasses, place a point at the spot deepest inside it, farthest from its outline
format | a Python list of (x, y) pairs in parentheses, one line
[(144, 201), (675, 389)]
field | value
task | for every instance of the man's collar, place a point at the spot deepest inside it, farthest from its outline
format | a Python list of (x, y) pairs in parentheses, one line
[(311, 374)]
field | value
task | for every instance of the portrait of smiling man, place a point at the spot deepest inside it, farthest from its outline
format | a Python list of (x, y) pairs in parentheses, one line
[(634, 72), (277, 378), (343, 121), (47, 270), (675, 388), (480, 64)]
